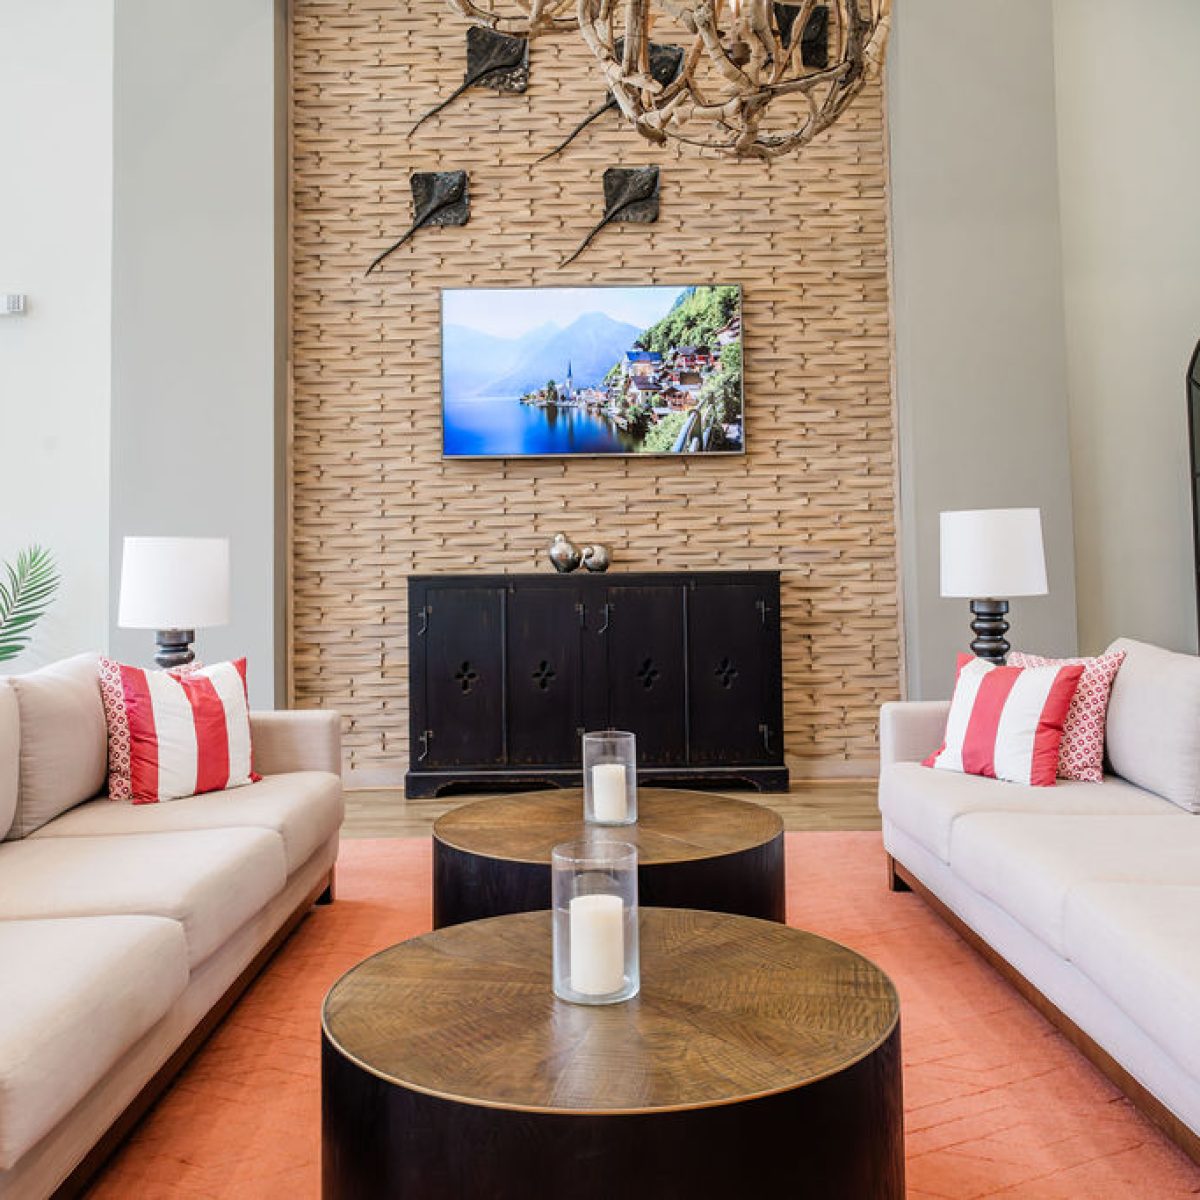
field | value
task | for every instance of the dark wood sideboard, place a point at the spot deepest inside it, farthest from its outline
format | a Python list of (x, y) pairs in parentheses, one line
[(507, 671)]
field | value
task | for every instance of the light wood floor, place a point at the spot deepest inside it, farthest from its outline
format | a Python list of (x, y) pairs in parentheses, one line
[(812, 804)]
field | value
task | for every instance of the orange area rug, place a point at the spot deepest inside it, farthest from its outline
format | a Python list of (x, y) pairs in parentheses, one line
[(997, 1103)]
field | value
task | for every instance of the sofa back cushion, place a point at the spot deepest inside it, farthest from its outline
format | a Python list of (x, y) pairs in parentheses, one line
[(64, 742), (1154, 722), (10, 744)]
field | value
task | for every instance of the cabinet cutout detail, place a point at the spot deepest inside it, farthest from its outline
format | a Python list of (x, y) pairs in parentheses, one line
[(648, 673)]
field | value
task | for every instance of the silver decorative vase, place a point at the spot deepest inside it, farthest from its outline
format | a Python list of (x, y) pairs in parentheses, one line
[(564, 555), (597, 557)]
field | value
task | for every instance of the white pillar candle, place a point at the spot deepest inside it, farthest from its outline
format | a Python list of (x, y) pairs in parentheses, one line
[(597, 945), (608, 792)]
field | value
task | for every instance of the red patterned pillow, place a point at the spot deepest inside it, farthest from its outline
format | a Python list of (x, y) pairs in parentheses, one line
[(1081, 755), (1006, 722), (173, 734)]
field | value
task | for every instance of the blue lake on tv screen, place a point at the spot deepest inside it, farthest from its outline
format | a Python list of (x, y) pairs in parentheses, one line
[(503, 425)]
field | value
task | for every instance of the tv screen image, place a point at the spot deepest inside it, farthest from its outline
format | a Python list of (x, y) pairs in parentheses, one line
[(595, 370)]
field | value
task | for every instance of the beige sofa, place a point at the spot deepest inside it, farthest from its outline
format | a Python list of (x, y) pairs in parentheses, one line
[(1087, 895), (127, 931)]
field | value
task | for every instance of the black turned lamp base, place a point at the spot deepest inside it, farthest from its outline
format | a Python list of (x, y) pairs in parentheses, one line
[(989, 627), (174, 647)]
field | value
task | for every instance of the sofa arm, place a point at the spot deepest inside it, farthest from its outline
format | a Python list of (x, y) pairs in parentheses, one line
[(911, 730), (297, 740)]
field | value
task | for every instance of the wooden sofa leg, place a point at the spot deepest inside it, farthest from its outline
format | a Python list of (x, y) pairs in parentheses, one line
[(327, 896), (895, 882)]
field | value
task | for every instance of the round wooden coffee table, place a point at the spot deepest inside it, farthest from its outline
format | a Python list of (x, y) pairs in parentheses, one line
[(757, 1061), (694, 851)]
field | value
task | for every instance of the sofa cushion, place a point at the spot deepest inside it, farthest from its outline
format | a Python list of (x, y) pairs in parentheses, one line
[(304, 808), (10, 749), (75, 995), (1138, 943), (1028, 864), (64, 740), (1007, 722), (210, 880), (1153, 719), (926, 804), (176, 733), (1081, 755)]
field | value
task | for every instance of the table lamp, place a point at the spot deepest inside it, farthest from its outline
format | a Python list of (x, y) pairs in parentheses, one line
[(989, 555), (175, 586)]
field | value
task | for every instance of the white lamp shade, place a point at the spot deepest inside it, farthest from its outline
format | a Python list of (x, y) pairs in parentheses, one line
[(174, 583), (993, 553)]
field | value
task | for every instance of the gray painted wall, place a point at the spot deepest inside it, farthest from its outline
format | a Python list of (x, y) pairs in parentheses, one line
[(1130, 184), (56, 245), (979, 326), (197, 335)]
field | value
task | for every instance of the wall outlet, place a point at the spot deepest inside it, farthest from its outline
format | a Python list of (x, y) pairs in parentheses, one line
[(11, 303)]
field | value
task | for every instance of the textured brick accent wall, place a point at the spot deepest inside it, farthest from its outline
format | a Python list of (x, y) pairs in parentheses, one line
[(372, 500)]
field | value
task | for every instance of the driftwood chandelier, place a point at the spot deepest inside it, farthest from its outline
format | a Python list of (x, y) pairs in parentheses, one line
[(759, 78), (520, 18)]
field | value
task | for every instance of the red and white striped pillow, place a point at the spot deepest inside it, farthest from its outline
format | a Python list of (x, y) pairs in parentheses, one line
[(173, 734), (1007, 722), (1081, 755)]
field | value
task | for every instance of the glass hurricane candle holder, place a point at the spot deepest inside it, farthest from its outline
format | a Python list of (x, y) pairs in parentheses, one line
[(594, 892), (609, 778)]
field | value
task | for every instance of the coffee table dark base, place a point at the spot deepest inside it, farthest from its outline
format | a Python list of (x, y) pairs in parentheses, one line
[(840, 1138), (748, 883)]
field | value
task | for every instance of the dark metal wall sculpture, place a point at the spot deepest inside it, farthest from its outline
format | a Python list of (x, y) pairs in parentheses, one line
[(495, 60), (814, 37), (814, 41), (666, 61), (439, 198), (630, 194)]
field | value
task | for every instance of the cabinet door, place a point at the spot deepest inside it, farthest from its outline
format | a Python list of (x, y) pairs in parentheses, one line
[(544, 631), (644, 653), (732, 629), (464, 677)]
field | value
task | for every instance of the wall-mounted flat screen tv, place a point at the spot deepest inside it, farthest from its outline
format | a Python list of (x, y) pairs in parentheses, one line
[(594, 370)]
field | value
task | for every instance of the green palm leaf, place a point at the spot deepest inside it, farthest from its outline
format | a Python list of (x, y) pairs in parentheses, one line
[(24, 597)]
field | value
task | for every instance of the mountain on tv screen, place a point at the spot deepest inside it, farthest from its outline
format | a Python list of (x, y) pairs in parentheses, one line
[(594, 370)]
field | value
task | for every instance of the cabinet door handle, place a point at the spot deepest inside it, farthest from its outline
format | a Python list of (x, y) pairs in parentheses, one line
[(425, 738), (424, 614), (607, 619), (581, 612), (761, 605), (765, 730)]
